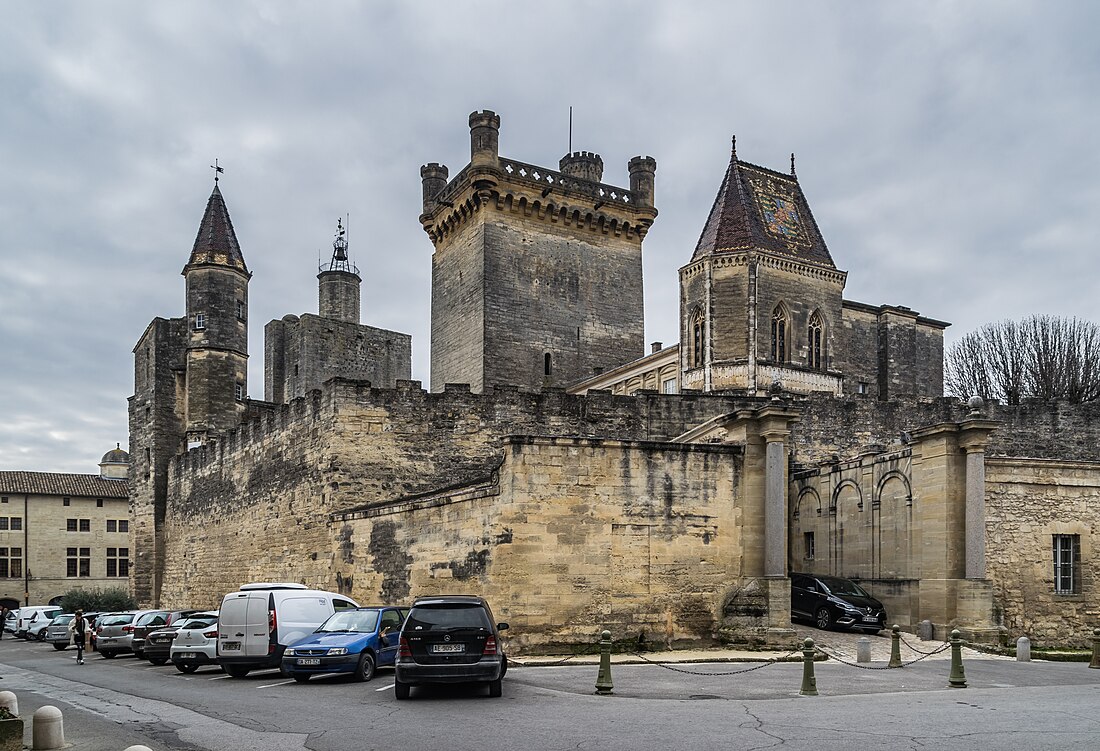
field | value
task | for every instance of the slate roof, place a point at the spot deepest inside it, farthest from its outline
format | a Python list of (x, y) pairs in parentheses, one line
[(758, 208), (216, 243), (56, 483)]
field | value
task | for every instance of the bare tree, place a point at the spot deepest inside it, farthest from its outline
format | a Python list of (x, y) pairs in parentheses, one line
[(1044, 357)]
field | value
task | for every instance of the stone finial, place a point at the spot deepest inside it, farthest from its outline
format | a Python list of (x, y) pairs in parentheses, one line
[(975, 403)]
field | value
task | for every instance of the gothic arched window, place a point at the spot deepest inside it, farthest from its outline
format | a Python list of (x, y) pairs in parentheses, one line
[(698, 341), (816, 331), (779, 334)]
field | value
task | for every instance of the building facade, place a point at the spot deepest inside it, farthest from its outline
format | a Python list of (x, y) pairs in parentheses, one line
[(61, 531)]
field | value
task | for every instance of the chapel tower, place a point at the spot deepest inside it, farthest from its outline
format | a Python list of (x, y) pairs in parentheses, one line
[(537, 273)]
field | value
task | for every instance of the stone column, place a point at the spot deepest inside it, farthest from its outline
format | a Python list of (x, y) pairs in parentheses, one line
[(975, 512), (775, 504)]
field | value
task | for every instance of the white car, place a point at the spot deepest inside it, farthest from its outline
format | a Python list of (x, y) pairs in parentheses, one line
[(11, 621), (34, 617), (196, 643)]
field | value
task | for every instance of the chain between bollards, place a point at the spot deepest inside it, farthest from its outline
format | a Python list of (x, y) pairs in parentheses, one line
[(957, 678), (895, 647), (1095, 662), (809, 682), (604, 685)]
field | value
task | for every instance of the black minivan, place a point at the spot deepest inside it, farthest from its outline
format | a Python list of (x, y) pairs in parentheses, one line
[(830, 601), (450, 639)]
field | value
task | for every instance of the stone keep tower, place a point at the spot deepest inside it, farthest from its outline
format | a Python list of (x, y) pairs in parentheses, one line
[(537, 273), (189, 382)]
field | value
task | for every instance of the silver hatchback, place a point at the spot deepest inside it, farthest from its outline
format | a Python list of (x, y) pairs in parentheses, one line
[(114, 633), (57, 633)]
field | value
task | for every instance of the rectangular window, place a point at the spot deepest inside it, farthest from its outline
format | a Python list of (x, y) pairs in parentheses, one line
[(85, 525), (668, 386), (11, 563), (123, 525), (99, 503), (3, 522), (3, 499), (240, 310), (1067, 561), (65, 501), (200, 322), (808, 537), (863, 387), (70, 525), (238, 391), (78, 562), (118, 563), (112, 526), (17, 522)]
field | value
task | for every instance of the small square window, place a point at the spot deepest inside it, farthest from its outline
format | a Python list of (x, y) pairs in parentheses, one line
[(85, 525), (124, 552), (84, 552), (70, 552), (200, 321), (70, 525), (112, 552), (863, 387), (65, 501), (123, 525), (112, 526), (17, 522), (3, 522), (3, 499), (99, 503)]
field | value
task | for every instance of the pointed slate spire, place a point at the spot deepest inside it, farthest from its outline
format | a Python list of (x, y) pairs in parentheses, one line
[(216, 244), (761, 209)]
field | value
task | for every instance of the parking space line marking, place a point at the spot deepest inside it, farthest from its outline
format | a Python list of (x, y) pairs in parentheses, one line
[(384, 688), (281, 683), (218, 678)]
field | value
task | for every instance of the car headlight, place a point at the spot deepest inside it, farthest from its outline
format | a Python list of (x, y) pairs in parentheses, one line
[(289, 652), (338, 651)]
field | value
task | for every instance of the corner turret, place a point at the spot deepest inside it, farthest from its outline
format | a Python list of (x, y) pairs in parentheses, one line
[(643, 170), (433, 179), (484, 139), (584, 165)]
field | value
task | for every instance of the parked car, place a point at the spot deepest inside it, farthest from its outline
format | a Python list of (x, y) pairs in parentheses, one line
[(830, 601), (261, 620), (11, 621), (351, 641), (195, 643), (90, 619), (114, 632), (151, 621), (34, 616), (450, 639), (57, 633)]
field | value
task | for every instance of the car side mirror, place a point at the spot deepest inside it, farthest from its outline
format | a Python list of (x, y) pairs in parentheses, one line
[(502, 627)]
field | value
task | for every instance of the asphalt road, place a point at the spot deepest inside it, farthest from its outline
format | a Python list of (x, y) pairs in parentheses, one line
[(111, 704)]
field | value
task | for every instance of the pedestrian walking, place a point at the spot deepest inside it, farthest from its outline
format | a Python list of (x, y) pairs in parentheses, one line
[(78, 627)]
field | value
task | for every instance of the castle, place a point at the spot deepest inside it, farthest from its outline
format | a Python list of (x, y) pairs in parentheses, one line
[(577, 481)]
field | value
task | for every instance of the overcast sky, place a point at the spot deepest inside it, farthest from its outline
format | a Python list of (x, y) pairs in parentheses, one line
[(947, 149)]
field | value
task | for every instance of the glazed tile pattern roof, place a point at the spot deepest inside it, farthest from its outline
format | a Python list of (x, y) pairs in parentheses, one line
[(216, 243), (758, 208), (56, 483)]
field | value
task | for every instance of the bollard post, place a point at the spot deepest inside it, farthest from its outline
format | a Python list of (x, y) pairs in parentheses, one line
[(809, 682), (138, 748), (926, 630), (1023, 649), (895, 647), (957, 678), (1095, 663), (47, 728), (9, 702), (604, 685), (863, 649)]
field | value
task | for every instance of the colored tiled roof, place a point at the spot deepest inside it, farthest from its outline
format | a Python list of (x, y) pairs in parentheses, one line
[(56, 483), (758, 208), (216, 242)]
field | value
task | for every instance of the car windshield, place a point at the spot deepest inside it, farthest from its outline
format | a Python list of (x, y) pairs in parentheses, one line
[(199, 623), (150, 617), (58, 620), (116, 620), (443, 617), (844, 587), (357, 621)]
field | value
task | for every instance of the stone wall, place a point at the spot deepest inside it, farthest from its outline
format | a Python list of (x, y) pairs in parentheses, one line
[(569, 536), (458, 309), (1028, 501)]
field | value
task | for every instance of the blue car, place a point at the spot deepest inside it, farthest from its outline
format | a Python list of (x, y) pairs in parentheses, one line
[(353, 641)]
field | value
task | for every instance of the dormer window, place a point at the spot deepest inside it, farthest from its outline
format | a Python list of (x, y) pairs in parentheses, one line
[(200, 321)]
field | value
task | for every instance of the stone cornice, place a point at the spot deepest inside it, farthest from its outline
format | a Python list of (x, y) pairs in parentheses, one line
[(747, 255)]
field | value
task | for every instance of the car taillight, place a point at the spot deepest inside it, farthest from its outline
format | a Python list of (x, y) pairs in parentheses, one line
[(403, 649), (272, 623), (127, 629), (99, 631), (211, 634), (490, 646)]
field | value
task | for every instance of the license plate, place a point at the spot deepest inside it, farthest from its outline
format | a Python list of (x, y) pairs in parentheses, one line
[(448, 648), (185, 655), (231, 645), (870, 619), (309, 661)]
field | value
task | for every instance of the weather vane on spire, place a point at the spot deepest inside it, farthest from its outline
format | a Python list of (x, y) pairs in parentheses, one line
[(217, 170)]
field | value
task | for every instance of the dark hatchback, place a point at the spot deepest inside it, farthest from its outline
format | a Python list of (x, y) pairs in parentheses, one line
[(830, 601), (450, 639), (154, 621)]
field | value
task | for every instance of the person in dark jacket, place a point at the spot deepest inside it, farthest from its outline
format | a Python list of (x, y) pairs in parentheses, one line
[(78, 627)]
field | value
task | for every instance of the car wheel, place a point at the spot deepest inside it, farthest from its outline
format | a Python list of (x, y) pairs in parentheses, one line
[(236, 671), (364, 671), (158, 660), (139, 655), (495, 689), (300, 677), (400, 690), (186, 667), (41, 636), (60, 647), (108, 654), (823, 620)]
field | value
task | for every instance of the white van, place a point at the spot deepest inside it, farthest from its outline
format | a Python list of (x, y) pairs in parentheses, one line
[(261, 620), (34, 615)]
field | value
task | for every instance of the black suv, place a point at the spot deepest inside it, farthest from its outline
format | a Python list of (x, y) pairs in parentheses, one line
[(831, 601), (450, 639)]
